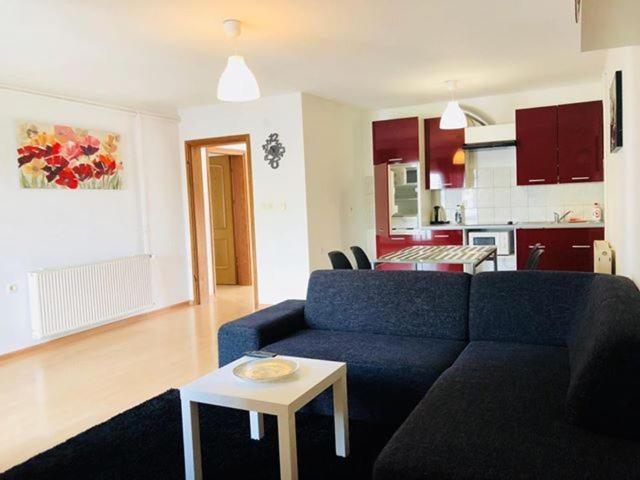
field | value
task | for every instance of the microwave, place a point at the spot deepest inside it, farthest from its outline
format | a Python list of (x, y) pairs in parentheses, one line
[(503, 240)]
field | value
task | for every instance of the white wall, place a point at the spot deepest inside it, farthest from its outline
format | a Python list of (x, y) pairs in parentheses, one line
[(50, 228), (335, 190), (279, 194), (622, 169)]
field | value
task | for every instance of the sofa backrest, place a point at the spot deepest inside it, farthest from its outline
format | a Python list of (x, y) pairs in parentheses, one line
[(408, 303), (604, 357), (532, 307)]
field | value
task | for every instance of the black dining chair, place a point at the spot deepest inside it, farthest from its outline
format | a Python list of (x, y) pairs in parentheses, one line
[(534, 257), (339, 260), (362, 261)]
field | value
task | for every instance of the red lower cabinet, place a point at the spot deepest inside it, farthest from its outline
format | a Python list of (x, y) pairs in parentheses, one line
[(429, 238), (565, 249)]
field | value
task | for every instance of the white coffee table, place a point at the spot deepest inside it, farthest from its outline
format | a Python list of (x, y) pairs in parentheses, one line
[(282, 398)]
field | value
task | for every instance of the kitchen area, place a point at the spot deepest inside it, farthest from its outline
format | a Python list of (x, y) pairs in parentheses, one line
[(515, 186)]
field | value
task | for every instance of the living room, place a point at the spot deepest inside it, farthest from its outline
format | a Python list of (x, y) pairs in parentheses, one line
[(441, 140)]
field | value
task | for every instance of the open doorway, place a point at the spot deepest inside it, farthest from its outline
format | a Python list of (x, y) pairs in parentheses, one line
[(221, 217)]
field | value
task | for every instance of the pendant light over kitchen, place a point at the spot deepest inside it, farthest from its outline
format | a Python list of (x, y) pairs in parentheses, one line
[(453, 117), (237, 83)]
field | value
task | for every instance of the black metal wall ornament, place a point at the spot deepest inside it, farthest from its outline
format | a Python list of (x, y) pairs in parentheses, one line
[(273, 150)]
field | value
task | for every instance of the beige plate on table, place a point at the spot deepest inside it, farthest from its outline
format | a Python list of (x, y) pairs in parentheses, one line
[(265, 369)]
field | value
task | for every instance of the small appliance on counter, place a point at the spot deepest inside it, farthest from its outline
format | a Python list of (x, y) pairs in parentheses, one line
[(438, 217)]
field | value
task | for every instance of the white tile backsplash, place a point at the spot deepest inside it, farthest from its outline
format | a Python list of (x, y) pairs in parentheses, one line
[(495, 198), (486, 215), (502, 197), (484, 178), (519, 196), (485, 198)]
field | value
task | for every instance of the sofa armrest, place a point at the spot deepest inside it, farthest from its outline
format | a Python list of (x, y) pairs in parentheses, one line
[(261, 328)]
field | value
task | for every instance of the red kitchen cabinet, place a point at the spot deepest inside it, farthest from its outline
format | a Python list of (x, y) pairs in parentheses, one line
[(580, 144), (565, 249), (396, 140), (388, 244), (441, 147), (537, 145), (381, 185)]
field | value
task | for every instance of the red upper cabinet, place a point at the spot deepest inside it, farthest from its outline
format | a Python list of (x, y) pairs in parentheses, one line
[(443, 167), (380, 176), (580, 149), (396, 140), (537, 145)]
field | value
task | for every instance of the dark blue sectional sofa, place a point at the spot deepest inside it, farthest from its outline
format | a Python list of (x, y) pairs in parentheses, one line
[(497, 376)]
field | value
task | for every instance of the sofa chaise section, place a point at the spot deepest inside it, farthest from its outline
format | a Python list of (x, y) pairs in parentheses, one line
[(500, 412), (397, 332)]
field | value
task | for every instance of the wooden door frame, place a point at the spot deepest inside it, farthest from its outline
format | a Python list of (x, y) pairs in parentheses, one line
[(197, 224)]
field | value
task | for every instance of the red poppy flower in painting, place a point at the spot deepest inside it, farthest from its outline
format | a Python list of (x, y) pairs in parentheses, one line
[(71, 150), (83, 171), (105, 165), (89, 145), (67, 179)]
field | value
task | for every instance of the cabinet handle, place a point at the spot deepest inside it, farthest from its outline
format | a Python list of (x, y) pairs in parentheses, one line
[(396, 238), (580, 246), (580, 178), (441, 236), (541, 246), (447, 184), (536, 180), (394, 160)]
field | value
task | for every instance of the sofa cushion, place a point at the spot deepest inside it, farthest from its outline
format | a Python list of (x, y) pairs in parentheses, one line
[(498, 413), (528, 306), (387, 375), (408, 303), (604, 391)]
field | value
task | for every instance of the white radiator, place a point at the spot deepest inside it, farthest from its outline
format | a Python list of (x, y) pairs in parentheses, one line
[(69, 299)]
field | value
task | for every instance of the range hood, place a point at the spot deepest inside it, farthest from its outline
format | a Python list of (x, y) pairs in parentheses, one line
[(490, 136)]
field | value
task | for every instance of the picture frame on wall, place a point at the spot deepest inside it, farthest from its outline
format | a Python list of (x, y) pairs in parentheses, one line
[(615, 105)]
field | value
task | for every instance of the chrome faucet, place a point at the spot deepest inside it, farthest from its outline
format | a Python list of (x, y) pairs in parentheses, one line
[(557, 218)]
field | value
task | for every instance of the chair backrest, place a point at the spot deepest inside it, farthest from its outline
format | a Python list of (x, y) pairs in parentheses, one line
[(534, 257), (339, 260), (361, 258)]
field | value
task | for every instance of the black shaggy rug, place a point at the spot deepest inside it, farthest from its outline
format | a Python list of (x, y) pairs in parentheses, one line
[(145, 442)]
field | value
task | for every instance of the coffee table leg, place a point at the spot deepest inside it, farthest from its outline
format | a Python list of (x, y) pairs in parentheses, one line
[(257, 425), (341, 416), (191, 440), (287, 446)]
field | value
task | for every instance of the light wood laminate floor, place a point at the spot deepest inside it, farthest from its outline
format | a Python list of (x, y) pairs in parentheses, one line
[(49, 394)]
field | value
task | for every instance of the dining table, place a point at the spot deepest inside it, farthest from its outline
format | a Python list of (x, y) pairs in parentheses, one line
[(470, 256)]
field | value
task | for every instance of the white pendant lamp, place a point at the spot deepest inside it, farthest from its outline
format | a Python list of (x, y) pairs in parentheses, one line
[(237, 83), (453, 117)]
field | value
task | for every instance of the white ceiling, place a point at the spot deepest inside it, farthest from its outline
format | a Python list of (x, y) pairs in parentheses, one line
[(164, 54)]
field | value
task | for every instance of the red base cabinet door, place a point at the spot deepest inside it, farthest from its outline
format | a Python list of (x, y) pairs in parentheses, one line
[(580, 150), (565, 249), (537, 145), (444, 157)]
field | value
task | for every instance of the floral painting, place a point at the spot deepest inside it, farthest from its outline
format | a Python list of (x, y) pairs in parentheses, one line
[(59, 156)]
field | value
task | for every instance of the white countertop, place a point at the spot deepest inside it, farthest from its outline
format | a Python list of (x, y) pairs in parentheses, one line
[(518, 225)]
